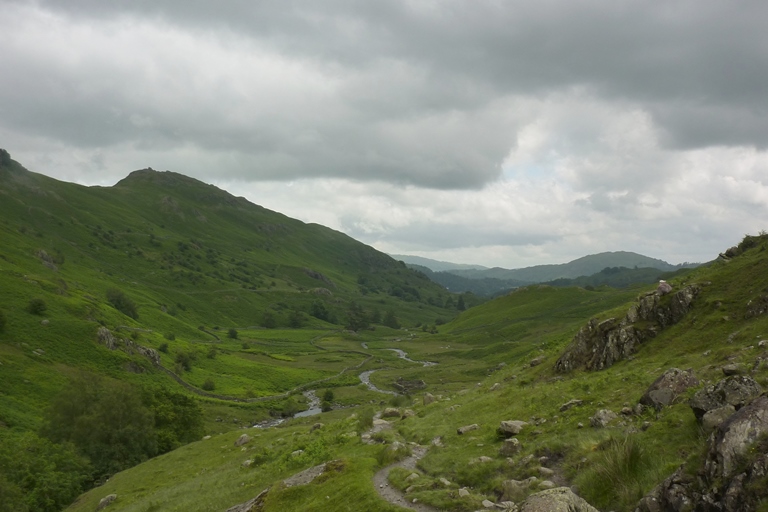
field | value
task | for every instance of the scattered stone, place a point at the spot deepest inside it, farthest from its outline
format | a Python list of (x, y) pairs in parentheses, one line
[(428, 398), (106, 501), (626, 411), (408, 413), (536, 361), (645, 426), (513, 490), (45, 322), (638, 409), (467, 428), (316, 426), (463, 492), (510, 447), (488, 504), (444, 481), (579, 425), (243, 439), (546, 471), (296, 453), (762, 343), (665, 389), (510, 428), (559, 499), (205, 438), (247, 463), (390, 412), (547, 484), (495, 386), (438, 441), (731, 369), (571, 403), (412, 477), (602, 418), (480, 460)]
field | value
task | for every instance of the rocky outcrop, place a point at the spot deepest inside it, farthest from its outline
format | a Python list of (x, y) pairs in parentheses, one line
[(559, 499), (668, 387), (731, 476), (252, 505), (598, 345), (737, 390)]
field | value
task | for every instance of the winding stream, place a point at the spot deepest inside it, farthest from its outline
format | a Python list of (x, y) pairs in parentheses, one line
[(404, 355)]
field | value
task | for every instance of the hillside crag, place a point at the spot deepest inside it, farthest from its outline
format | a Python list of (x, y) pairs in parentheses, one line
[(598, 345)]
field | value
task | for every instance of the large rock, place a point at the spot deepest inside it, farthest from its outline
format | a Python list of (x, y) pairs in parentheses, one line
[(106, 501), (731, 477), (668, 387), (598, 345), (559, 499), (243, 439), (510, 447), (736, 390), (510, 428)]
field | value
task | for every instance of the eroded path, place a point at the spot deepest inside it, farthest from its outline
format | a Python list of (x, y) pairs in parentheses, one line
[(393, 495)]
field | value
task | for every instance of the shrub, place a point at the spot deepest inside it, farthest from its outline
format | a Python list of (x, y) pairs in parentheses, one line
[(37, 306), (209, 385), (121, 302), (184, 360), (328, 395), (163, 348), (326, 406), (211, 353), (232, 333), (365, 418), (170, 336)]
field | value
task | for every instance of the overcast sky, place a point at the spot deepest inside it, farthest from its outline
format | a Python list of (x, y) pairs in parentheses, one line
[(478, 131)]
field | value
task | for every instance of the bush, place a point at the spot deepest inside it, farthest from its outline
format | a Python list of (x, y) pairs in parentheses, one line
[(211, 353), (170, 336), (3, 320), (232, 333), (37, 306), (328, 395), (122, 303), (209, 385), (163, 348), (184, 360), (365, 418)]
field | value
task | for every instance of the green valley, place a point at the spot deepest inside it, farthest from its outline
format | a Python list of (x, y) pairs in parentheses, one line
[(159, 337)]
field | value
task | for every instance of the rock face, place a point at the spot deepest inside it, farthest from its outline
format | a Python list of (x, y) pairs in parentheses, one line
[(730, 477), (598, 345), (736, 390), (668, 387), (559, 499)]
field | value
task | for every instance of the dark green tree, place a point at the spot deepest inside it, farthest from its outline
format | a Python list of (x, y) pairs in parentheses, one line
[(121, 302), (319, 311), (390, 320), (295, 319), (37, 306), (269, 321), (460, 303), (107, 422), (357, 319)]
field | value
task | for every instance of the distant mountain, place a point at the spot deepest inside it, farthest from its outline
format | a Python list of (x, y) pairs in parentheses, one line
[(435, 265), (584, 266), (485, 287)]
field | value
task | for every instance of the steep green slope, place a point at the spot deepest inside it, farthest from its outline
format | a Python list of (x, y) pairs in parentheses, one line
[(169, 284), (495, 363)]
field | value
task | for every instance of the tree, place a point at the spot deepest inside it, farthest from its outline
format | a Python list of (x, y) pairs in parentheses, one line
[(356, 317), (390, 320), (328, 395), (37, 474), (121, 302), (209, 385), (107, 422), (270, 322), (460, 304), (295, 319), (319, 311), (37, 306)]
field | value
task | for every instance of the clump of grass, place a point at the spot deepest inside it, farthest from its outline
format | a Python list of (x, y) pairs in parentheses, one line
[(623, 470), (365, 418), (392, 453)]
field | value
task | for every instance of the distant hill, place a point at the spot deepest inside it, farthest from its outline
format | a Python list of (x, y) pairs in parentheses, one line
[(435, 265), (584, 266), (484, 287)]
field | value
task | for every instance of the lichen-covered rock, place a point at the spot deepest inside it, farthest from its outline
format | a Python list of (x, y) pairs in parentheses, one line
[(598, 345), (559, 499), (714, 418), (731, 477), (602, 418), (510, 447), (243, 439), (570, 404), (106, 501), (467, 428), (390, 412), (664, 390), (736, 390)]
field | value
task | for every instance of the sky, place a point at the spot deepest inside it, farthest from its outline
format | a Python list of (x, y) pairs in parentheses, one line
[(499, 133)]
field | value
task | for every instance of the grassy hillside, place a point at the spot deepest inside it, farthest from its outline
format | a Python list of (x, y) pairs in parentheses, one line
[(238, 303), (495, 363)]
